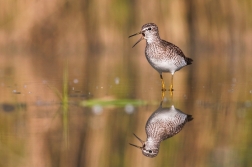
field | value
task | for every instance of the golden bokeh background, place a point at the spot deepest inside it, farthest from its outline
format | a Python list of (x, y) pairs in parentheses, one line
[(73, 90)]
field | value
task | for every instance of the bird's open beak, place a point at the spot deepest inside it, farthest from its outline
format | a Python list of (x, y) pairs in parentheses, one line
[(136, 146), (142, 37), (139, 140)]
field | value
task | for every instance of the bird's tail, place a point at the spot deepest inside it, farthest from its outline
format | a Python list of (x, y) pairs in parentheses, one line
[(189, 118), (188, 60)]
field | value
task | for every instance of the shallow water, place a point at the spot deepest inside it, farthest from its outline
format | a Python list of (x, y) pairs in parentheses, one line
[(72, 119)]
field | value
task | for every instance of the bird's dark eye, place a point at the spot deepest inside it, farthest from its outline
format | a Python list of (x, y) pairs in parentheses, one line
[(150, 151), (149, 28)]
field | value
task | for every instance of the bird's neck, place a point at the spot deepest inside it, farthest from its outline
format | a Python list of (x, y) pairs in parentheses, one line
[(153, 39), (153, 141)]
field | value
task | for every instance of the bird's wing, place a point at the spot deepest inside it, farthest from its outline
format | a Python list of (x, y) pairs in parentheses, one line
[(175, 50)]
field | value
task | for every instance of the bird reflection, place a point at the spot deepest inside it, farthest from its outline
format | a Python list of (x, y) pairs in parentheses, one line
[(162, 124)]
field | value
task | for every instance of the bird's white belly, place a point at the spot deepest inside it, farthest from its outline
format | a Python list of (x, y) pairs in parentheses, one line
[(164, 66)]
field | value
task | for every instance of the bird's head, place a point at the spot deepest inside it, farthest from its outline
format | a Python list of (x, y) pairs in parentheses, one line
[(149, 149), (149, 32)]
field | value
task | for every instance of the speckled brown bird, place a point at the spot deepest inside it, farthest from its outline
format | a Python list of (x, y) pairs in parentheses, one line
[(162, 124), (163, 56)]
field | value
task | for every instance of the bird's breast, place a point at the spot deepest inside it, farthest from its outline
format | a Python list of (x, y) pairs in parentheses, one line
[(163, 125), (163, 60)]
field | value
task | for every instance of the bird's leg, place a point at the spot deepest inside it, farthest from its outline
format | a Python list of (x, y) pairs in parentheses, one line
[(162, 97), (171, 94), (163, 85), (171, 86)]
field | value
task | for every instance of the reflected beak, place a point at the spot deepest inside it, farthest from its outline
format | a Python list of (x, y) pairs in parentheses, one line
[(139, 39), (139, 140), (136, 146)]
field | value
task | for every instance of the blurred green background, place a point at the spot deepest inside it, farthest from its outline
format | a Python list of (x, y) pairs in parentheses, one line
[(72, 89)]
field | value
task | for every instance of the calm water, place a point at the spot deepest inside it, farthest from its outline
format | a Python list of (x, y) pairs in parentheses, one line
[(73, 91), (94, 126)]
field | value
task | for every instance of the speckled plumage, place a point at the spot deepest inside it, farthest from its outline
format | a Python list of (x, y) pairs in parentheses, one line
[(162, 124), (163, 56), (166, 53)]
